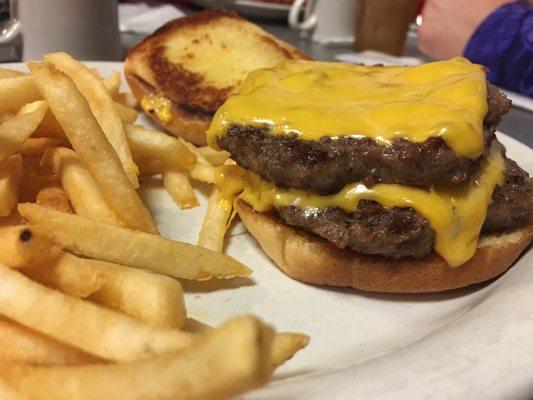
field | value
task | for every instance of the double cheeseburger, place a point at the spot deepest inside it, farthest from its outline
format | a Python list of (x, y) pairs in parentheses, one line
[(386, 179)]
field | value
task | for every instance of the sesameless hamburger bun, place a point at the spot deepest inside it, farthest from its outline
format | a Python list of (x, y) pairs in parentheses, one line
[(309, 259)]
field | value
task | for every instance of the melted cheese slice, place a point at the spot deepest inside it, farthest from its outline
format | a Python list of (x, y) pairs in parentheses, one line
[(315, 99), (455, 212), (157, 105)]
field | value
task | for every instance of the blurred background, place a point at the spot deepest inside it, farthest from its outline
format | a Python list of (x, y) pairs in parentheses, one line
[(495, 33)]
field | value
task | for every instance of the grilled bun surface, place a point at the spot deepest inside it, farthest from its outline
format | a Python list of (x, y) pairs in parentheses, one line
[(186, 69), (309, 259)]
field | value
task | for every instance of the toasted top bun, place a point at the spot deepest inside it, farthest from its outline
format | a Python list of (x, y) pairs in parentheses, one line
[(197, 62), (309, 259)]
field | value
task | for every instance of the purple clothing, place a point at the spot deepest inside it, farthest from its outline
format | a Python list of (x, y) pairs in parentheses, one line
[(504, 44)]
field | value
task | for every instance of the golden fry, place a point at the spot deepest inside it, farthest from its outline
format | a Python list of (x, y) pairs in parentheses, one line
[(149, 166), (285, 345), (49, 127), (8, 393), (54, 196), (127, 115), (127, 99), (85, 325), (147, 143), (214, 157), (227, 362), (12, 219), (91, 145), (180, 189), (216, 220), (22, 345), (17, 92), (8, 196), (23, 245), (155, 299), (76, 278), (202, 170), (88, 202), (31, 186), (15, 131), (133, 248), (10, 73), (35, 147), (112, 83), (102, 107), (11, 176)]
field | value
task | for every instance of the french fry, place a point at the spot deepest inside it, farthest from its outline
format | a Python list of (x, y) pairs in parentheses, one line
[(32, 167), (202, 170), (147, 143), (11, 175), (16, 92), (214, 157), (8, 196), (22, 345), (102, 106), (112, 83), (8, 393), (96, 330), (155, 299), (180, 189), (35, 147), (91, 145), (21, 246), (10, 73), (76, 278), (31, 186), (194, 326), (73, 175), (133, 248), (227, 362), (53, 196), (6, 115), (49, 127), (216, 220), (12, 219), (15, 131), (127, 99), (149, 166), (285, 345), (127, 115)]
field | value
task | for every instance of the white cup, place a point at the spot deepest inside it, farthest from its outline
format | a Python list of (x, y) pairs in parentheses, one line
[(325, 21), (86, 29)]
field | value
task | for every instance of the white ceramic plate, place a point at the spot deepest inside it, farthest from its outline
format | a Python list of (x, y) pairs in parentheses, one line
[(471, 343)]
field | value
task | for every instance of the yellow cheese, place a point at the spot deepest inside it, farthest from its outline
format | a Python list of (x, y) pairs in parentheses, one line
[(314, 99), (455, 212), (159, 106)]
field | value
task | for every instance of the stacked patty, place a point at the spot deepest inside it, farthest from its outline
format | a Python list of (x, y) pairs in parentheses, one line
[(325, 166)]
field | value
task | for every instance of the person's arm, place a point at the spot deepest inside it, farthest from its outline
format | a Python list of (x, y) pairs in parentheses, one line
[(495, 33), (504, 44), (448, 24)]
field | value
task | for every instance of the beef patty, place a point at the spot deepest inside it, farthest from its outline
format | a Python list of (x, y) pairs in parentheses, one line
[(325, 166), (398, 232)]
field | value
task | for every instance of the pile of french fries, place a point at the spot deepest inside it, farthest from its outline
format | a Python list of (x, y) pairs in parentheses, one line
[(91, 306)]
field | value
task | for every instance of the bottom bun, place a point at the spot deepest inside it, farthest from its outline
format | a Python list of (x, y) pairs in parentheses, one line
[(309, 259)]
